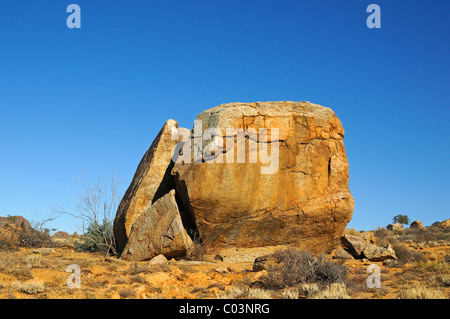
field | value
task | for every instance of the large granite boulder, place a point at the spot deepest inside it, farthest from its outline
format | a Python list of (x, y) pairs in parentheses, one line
[(270, 173)]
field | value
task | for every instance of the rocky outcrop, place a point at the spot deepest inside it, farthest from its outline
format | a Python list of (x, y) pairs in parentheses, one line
[(395, 227), (11, 228), (445, 224), (360, 248), (158, 230), (247, 175), (297, 197), (151, 181), (15, 221), (417, 224)]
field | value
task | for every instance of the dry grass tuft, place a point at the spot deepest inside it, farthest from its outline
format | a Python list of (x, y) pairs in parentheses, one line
[(422, 292), (30, 288)]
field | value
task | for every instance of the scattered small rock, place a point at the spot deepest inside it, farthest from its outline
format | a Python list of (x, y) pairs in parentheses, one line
[(222, 270), (157, 260)]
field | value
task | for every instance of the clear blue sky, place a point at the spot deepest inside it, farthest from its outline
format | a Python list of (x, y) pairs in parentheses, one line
[(94, 98)]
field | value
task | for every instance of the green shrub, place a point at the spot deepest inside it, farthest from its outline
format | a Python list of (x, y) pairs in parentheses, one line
[(97, 238), (402, 219)]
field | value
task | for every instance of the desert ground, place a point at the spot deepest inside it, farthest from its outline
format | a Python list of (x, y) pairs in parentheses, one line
[(421, 271)]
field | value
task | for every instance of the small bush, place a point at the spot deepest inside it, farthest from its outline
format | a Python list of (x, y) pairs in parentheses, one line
[(21, 273), (30, 237), (407, 255), (333, 291), (33, 261), (444, 280), (422, 292), (296, 267), (126, 294), (290, 293), (136, 269), (30, 288), (257, 293), (437, 267), (309, 289), (352, 231), (197, 251), (233, 292), (98, 238)]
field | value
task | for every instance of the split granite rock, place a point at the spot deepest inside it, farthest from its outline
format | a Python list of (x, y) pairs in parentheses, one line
[(151, 181), (289, 188), (158, 231), (301, 200), (360, 248)]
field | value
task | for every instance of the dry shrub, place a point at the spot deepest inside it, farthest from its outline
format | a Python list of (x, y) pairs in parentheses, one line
[(21, 273), (31, 237), (126, 294), (233, 292), (239, 292), (33, 261), (333, 291), (30, 288), (422, 292), (436, 267), (290, 293), (352, 231), (257, 293), (406, 255), (136, 269), (196, 252), (297, 267)]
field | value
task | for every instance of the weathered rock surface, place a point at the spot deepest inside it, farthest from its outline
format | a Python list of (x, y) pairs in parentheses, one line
[(445, 224), (360, 248), (342, 254), (151, 181), (265, 262), (246, 254), (10, 229), (377, 253), (416, 224), (159, 230), (157, 260), (301, 200), (17, 220), (354, 244), (395, 227)]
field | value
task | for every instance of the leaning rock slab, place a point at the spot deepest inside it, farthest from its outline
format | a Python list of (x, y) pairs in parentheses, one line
[(151, 181), (354, 244), (300, 197), (159, 230)]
